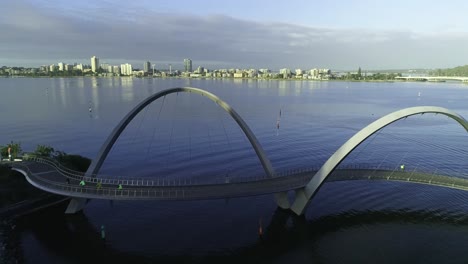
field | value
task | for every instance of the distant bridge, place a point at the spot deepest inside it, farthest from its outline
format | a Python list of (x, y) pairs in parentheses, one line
[(433, 78), (51, 176)]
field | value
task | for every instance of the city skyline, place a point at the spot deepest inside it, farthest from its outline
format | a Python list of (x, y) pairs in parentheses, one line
[(337, 35)]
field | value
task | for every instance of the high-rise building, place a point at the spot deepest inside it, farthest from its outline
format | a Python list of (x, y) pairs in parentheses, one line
[(52, 67), (314, 72), (60, 66), (188, 65), (147, 66), (94, 63), (126, 69), (285, 72)]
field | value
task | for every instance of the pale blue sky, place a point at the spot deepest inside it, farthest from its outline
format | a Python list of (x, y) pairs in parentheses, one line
[(296, 33), (415, 15)]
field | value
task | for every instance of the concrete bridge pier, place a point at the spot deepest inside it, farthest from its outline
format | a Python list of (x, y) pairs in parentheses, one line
[(301, 202), (76, 205)]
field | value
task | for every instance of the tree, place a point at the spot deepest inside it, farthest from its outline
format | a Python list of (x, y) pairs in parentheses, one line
[(44, 151), (359, 72)]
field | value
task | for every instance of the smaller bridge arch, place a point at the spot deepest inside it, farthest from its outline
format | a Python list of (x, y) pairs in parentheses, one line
[(304, 195)]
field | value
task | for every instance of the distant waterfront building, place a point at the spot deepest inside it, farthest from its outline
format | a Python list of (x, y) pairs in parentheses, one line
[(94, 63), (79, 67), (60, 66), (200, 69), (252, 73), (285, 72), (188, 65), (314, 72), (325, 71), (44, 68), (126, 69), (105, 66), (68, 67), (146, 66), (116, 69), (52, 67), (129, 69)]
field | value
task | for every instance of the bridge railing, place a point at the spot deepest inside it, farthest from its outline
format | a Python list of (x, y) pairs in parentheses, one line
[(111, 191), (69, 173), (136, 192), (304, 173), (108, 191), (76, 175)]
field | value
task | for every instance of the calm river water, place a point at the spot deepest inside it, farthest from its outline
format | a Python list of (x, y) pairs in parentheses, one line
[(186, 136)]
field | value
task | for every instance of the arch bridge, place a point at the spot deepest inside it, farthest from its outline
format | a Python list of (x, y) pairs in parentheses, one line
[(50, 176)]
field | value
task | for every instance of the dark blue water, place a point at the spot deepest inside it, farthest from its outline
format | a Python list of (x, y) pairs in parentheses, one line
[(186, 136)]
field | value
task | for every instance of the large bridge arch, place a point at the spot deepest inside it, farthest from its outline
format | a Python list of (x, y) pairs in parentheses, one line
[(93, 170), (96, 164), (304, 195)]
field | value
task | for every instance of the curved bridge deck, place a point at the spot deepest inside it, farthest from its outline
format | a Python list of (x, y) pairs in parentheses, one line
[(51, 177)]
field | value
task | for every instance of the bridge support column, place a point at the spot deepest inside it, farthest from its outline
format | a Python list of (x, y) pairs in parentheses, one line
[(76, 205), (301, 202), (282, 200)]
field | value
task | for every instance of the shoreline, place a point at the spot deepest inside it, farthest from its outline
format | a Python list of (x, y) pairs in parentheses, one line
[(209, 78)]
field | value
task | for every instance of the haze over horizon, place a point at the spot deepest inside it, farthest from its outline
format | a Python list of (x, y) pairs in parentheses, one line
[(246, 34)]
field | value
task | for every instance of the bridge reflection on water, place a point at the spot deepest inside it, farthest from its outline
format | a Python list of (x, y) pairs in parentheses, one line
[(285, 232)]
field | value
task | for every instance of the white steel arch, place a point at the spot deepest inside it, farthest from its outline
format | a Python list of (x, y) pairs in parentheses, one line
[(96, 164), (305, 194), (93, 170)]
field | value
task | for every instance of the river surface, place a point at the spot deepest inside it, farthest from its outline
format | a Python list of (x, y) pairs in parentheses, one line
[(185, 136)]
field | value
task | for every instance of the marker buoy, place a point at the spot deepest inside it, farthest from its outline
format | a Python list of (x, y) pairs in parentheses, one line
[(260, 228)]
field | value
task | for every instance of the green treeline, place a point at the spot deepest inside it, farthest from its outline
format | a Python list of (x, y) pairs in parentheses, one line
[(460, 71), (369, 77), (74, 162)]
